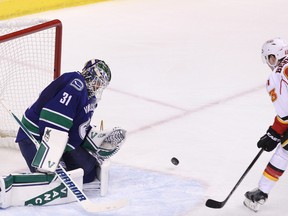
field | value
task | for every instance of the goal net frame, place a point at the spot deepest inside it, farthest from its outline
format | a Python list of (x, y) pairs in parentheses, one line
[(7, 137), (40, 27)]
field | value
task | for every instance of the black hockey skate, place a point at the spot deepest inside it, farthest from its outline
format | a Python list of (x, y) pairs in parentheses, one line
[(254, 199)]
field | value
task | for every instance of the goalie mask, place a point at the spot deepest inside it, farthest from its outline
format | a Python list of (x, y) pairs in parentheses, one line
[(97, 76)]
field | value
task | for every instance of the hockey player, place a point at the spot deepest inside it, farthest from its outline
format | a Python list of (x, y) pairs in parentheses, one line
[(60, 120), (275, 54)]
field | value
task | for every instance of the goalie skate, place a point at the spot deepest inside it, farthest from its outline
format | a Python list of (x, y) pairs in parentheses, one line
[(254, 199)]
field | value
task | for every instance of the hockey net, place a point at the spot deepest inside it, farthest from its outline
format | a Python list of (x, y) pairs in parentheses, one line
[(30, 58)]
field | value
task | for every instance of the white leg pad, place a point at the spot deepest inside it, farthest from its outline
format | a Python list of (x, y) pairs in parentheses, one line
[(103, 176), (36, 189), (102, 179)]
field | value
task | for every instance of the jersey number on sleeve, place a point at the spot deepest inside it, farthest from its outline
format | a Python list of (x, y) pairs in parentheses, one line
[(273, 95), (65, 99)]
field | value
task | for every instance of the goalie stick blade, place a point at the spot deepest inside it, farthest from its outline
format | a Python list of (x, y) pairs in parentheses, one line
[(214, 204), (103, 207)]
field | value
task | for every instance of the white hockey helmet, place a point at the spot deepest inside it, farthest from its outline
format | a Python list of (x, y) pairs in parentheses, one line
[(97, 76), (276, 47)]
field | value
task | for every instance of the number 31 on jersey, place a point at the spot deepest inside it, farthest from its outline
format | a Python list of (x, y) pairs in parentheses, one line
[(65, 99)]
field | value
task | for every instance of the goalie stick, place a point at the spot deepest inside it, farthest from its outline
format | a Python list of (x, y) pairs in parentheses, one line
[(216, 204), (70, 184)]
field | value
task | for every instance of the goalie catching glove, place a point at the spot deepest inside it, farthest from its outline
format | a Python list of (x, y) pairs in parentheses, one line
[(104, 144)]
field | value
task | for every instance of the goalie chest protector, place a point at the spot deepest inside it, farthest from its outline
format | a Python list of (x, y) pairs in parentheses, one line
[(63, 105)]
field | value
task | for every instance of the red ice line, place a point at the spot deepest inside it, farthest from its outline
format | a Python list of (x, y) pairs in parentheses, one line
[(185, 112)]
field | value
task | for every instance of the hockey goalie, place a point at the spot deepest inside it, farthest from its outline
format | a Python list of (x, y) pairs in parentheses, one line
[(60, 121)]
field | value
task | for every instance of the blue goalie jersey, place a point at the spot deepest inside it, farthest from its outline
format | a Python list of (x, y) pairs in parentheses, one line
[(63, 105)]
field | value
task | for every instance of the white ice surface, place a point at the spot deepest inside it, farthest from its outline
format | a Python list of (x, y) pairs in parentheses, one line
[(188, 82)]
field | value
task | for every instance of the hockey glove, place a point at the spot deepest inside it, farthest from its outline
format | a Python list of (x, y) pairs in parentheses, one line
[(269, 141), (104, 144)]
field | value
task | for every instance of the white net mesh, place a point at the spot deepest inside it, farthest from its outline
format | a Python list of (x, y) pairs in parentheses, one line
[(26, 67)]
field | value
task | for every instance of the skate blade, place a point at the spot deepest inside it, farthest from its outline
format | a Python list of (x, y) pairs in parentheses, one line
[(254, 206)]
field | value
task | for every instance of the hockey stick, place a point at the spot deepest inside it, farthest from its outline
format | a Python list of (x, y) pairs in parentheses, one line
[(216, 204), (69, 182)]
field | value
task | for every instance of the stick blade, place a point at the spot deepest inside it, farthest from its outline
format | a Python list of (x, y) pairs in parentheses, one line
[(214, 204), (103, 207)]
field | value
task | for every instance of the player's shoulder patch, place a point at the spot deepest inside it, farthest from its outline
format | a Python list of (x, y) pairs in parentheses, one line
[(77, 84)]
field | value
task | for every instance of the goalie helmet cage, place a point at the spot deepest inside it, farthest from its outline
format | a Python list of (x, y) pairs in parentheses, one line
[(30, 58)]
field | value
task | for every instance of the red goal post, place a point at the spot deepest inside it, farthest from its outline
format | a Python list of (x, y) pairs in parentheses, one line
[(30, 58)]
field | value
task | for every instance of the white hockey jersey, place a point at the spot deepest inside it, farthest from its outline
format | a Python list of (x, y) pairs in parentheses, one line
[(277, 88)]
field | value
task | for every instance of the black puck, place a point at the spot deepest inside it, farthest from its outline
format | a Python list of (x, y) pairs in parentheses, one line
[(175, 161)]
